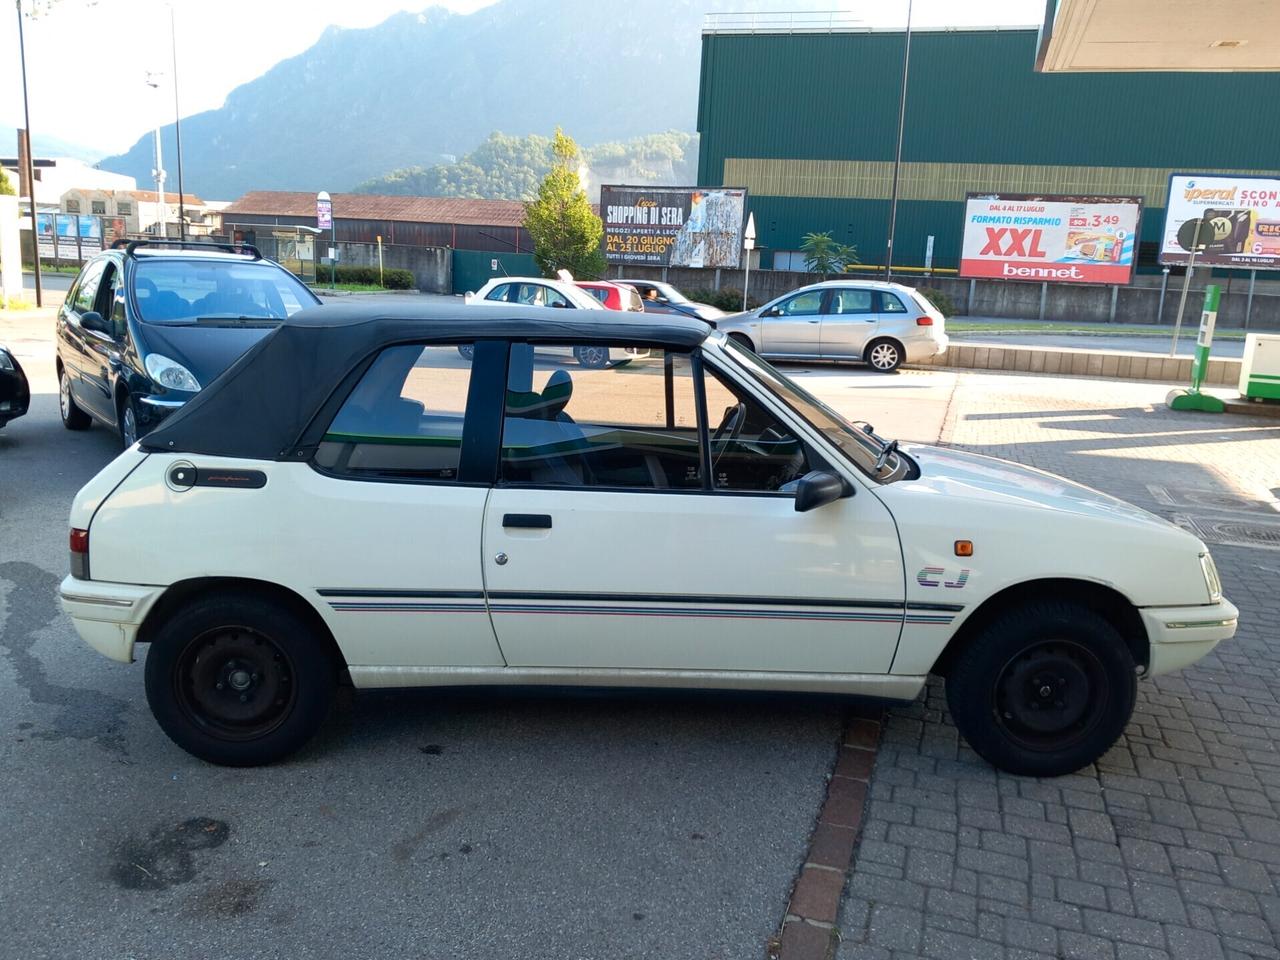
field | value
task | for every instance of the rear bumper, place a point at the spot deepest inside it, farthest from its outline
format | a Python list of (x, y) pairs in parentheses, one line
[(108, 615), (1180, 636)]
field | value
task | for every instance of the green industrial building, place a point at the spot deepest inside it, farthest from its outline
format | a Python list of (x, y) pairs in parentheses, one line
[(807, 121)]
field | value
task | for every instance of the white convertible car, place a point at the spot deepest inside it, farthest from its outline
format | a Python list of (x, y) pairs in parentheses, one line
[(353, 501)]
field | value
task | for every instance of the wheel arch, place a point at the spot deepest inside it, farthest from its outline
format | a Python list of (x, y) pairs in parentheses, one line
[(181, 592), (1106, 601)]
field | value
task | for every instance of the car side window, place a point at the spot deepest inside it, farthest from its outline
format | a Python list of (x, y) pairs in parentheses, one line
[(403, 420), (752, 451), (499, 292), (851, 301), (628, 424), (889, 303), (802, 304), (87, 289)]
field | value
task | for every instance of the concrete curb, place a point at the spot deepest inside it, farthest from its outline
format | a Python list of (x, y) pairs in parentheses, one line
[(1063, 361), (808, 928)]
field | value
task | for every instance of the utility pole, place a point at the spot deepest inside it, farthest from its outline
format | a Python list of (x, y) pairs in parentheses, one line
[(897, 162), (30, 165)]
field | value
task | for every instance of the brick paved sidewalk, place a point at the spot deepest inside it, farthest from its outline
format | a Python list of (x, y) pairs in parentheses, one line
[(1170, 846)]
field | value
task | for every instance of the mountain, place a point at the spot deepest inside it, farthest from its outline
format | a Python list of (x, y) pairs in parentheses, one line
[(419, 89), (510, 168)]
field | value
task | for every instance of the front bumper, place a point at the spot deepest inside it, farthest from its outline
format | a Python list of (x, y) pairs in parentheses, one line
[(1180, 636), (108, 615)]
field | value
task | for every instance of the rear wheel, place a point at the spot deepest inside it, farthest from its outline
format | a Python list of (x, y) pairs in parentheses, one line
[(884, 356), (73, 418), (1044, 689), (239, 680), (593, 358)]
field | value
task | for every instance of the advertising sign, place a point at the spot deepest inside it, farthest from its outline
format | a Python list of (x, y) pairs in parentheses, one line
[(1238, 219), (673, 226), (1063, 239)]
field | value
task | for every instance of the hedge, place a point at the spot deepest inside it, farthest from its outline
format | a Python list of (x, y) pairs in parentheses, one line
[(392, 279)]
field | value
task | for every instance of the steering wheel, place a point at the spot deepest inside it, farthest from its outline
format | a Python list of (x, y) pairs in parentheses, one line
[(731, 425)]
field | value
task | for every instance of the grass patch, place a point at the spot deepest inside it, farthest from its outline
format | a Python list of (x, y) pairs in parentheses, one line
[(998, 327)]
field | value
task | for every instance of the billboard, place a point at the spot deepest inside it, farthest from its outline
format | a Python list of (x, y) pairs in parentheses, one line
[(1238, 220), (1017, 236), (673, 226)]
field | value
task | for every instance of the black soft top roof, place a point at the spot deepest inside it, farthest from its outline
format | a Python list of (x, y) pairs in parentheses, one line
[(262, 405)]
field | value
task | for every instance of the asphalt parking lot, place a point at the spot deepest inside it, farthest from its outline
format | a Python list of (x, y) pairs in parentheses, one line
[(612, 825)]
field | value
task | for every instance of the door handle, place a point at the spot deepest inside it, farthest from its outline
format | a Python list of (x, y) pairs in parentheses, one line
[(527, 521)]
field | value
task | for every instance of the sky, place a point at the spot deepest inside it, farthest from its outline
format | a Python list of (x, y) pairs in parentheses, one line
[(70, 43)]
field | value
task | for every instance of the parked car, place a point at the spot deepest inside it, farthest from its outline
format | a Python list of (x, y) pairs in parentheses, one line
[(612, 296), (15, 392), (881, 324), (658, 297), (143, 328), (384, 514), (537, 292)]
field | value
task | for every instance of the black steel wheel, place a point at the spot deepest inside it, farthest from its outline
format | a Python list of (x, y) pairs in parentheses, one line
[(73, 418), (1043, 690), (239, 680), (593, 358)]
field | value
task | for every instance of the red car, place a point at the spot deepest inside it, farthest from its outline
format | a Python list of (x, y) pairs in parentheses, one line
[(614, 296)]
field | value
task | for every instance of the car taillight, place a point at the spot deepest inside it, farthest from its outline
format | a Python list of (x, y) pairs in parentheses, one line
[(79, 543), (925, 321)]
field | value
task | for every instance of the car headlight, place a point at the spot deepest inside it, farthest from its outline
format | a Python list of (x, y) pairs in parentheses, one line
[(170, 374), (6, 361), (1211, 580)]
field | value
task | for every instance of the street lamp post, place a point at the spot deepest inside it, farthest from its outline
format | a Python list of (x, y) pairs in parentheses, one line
[(897, 161), (30, 165)]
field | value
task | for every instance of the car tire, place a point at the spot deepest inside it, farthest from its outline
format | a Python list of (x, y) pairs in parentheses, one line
[(742, 340), (238, 680), (467, 352), (593, 357), (1044, 689), (127, 420), (73, 418), (884, 356)]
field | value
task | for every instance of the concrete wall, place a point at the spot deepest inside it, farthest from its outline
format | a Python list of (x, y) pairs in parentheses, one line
[(432, 267), (1016, 301)]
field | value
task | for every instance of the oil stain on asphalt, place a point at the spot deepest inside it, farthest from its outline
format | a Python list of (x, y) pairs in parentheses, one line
[(81, 713)]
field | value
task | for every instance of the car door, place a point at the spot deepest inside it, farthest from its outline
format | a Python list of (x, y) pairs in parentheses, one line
[(103, 353), (75, 355), (608, 546), (395, 517), (792, 327), (849, 322)]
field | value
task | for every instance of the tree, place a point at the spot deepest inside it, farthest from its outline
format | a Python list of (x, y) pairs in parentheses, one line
[(824, 255), (566, 234), (6, 188)]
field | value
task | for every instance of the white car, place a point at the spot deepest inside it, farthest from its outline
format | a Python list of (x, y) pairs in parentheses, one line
[(350, 503), (559, 294), (881, 324)]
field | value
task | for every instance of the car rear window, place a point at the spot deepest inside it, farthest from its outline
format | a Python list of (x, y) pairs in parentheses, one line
[(185, 291)]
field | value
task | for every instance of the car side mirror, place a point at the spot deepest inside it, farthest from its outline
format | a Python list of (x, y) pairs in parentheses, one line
[(818, 488), (92, 320)]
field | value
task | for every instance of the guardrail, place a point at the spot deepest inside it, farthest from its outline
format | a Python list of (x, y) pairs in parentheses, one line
[(783, 21)]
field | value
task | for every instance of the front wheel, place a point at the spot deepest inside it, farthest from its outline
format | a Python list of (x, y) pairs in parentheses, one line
[(73, 418), (238, 680), (593, 358), (1044, 689), (884, 356)]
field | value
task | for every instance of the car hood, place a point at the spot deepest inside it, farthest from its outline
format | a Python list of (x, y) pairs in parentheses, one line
[(957, 473), (205, 350)]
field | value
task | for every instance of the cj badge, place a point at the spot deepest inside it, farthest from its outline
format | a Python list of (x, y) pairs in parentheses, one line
[(936, 576)]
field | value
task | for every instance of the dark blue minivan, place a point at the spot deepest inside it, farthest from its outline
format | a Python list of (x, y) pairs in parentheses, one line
[(145, 327)]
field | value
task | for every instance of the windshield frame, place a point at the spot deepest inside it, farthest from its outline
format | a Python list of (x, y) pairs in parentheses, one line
[(859, 447), (304, 294)]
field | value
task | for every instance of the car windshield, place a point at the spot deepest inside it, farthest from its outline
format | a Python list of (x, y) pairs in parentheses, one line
[(176, 291), (876, 456)]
